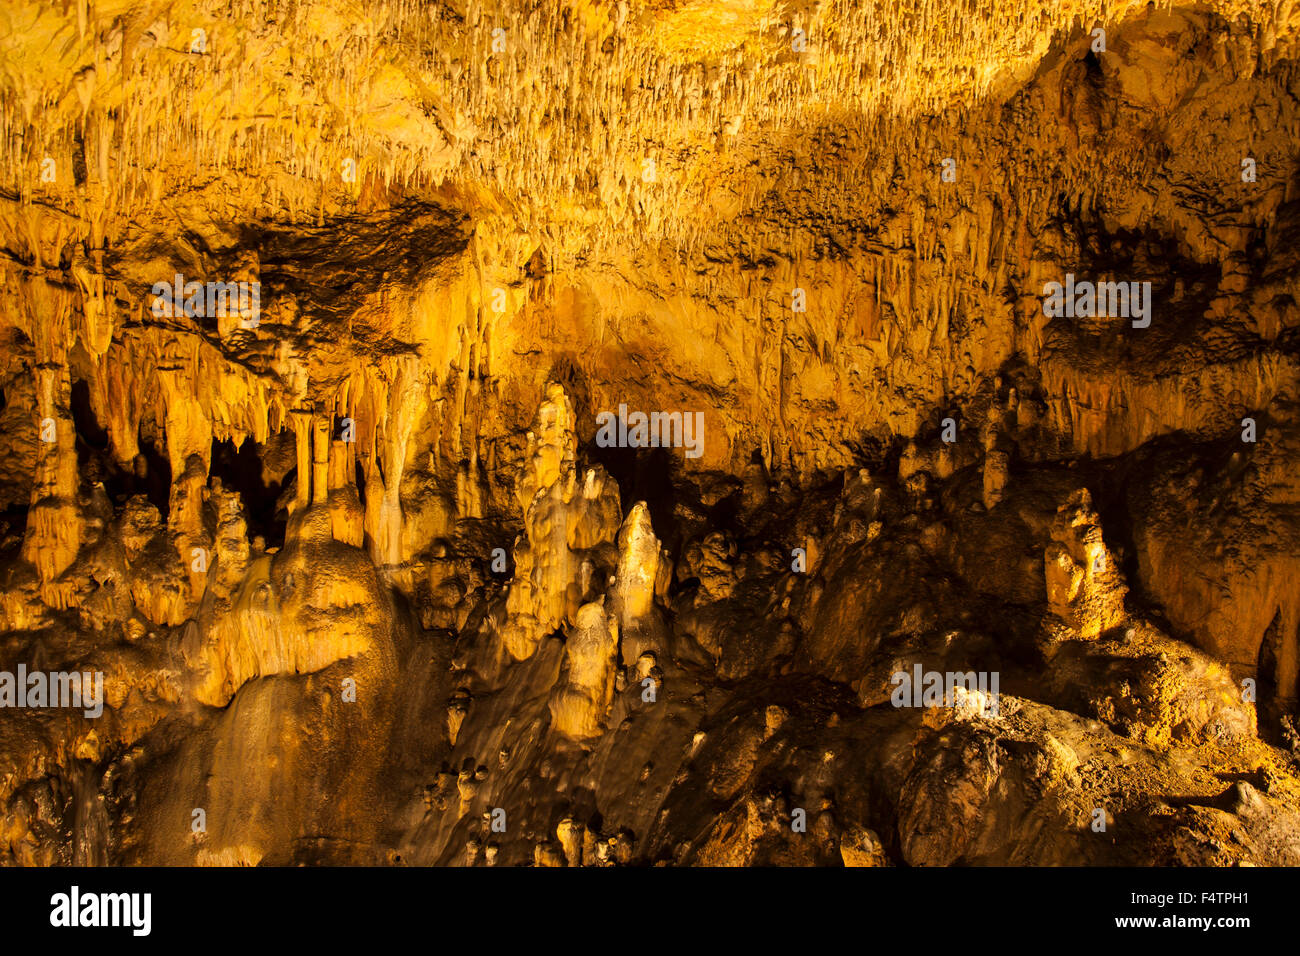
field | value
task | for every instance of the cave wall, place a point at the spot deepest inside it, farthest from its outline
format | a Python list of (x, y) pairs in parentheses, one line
[(669, 206)]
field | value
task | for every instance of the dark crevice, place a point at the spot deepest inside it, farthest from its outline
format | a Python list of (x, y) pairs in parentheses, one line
[(643, 474), (240, 470), (149, 474), (1268, 703)]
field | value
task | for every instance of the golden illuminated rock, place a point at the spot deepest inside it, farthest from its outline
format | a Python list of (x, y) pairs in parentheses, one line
[(581, 700), (347, 360), (1084, 585)]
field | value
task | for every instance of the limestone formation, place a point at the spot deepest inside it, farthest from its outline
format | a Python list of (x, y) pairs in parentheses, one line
[(581, 699), (1085, 586), (564, 519), (347, 359)]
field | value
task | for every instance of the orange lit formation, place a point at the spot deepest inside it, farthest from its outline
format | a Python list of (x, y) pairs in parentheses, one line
[(617, 433)]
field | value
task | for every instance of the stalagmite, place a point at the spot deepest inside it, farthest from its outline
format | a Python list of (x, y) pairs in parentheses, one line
[(581, 699), (1085, 587), (563, 521)]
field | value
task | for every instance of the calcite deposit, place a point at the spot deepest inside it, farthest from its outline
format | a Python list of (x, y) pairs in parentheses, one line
[(963, 340)]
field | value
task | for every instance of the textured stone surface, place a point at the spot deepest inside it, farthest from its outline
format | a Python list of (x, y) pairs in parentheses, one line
[(363, 584)]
